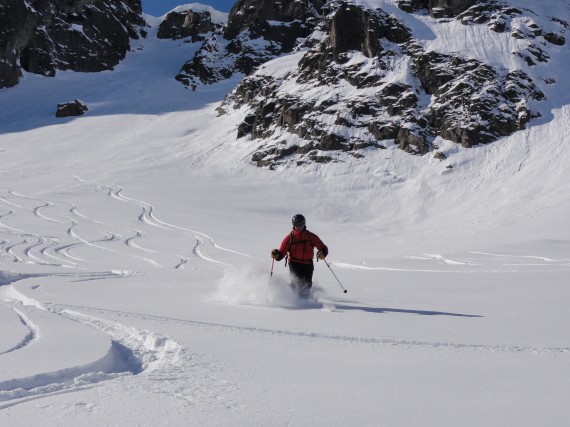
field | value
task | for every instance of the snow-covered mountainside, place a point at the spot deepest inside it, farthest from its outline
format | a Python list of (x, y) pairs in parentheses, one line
[(373, 76), (136, 284), (344, 76)]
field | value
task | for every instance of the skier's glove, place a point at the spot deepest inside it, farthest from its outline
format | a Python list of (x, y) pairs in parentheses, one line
[(321, 255), (276, 255)]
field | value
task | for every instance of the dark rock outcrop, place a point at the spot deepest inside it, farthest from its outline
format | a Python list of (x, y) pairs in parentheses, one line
[(69, 109), (189, 23), (352, 28), (276, 26), (81, 35), (278, 21)]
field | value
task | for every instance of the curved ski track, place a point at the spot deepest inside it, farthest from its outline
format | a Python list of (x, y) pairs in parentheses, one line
[(30, 337), (27, 246), (147, 216), (136, 352), (150, 356)]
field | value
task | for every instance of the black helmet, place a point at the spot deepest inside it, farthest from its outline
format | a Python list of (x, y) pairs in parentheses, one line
[(298, 220)]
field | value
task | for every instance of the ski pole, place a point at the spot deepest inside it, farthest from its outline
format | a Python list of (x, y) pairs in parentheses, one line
[(272, 262), (345, 291)]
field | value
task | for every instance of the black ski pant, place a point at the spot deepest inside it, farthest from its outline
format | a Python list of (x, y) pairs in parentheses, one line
[(301, 277)]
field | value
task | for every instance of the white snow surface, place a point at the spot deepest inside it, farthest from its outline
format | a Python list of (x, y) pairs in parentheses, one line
[(135, 284)]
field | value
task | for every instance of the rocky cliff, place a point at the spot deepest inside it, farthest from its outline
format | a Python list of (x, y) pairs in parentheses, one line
[(81, 35), (362, 79), (194, 24), (256, 32)]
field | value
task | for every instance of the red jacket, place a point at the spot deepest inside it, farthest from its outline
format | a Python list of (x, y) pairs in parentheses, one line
[(301, 245)]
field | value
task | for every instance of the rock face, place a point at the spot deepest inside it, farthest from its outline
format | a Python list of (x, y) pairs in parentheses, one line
[(342, 96), (69, 109), (81, 35), (179, 25), (282, 22), (257, 31)]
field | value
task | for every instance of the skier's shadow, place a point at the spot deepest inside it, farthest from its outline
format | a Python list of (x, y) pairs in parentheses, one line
[(383, 310)]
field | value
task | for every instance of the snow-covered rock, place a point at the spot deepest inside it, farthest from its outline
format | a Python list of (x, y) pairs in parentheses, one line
[(369, 80), (73, 108), (79, 35), (256, 32), (186, 23)]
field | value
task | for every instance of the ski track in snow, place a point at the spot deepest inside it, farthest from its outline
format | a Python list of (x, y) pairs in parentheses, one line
[(73, 233), (9, 250), (37, 212), (74, 210), (154, 357), (444, 260), (364, 267), (141, 353), (540, 258), (30, 337), (26, 243), (195, 378), (147, 216), (21, 246), (139, 234), (40, 242), (52, 247), (8, 202), (65, 251), (131, 242), (329, 337), (34, 248)]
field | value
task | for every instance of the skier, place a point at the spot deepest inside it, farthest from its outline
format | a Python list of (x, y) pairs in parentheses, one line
[(298, 246)]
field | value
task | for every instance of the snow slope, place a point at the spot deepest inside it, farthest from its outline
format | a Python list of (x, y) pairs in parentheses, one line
[(135, 282)]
